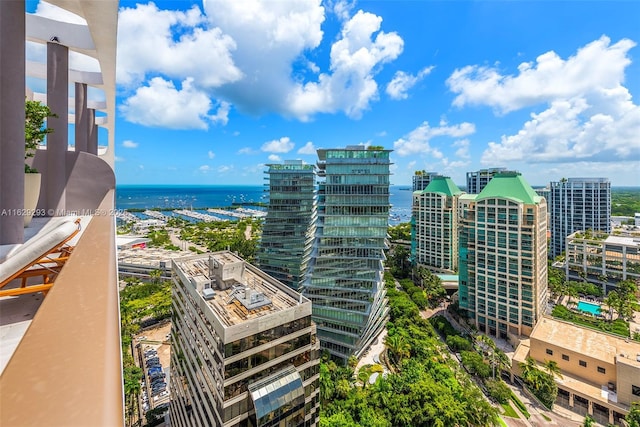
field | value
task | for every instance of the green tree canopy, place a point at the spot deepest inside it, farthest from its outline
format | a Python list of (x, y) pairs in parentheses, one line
[(36, 114)]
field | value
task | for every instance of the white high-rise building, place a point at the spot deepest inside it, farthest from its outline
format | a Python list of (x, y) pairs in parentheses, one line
[(577, 204), (477, 180), (422, 178)]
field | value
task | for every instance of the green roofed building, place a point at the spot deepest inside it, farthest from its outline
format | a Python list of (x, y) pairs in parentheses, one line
[(434, 225), (503, 256)]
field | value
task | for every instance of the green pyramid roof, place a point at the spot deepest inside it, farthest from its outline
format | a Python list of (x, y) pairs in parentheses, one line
[(510, 185), (443, 185)]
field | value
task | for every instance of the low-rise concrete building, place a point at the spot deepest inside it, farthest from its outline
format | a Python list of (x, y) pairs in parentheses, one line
[(600, 372), (141, 261), (602, 259)]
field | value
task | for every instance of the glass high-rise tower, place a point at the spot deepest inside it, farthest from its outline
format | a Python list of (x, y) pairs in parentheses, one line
[(289, 227), (345, 280)]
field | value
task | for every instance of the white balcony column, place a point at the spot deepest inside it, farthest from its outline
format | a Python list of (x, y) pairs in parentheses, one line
[(92, 138), (81, 118), (54, 182), (12, 84)]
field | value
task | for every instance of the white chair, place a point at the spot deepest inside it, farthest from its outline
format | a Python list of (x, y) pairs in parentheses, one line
[(42, 256)]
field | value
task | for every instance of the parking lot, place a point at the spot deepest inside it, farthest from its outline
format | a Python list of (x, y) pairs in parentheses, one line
[(153, 356)]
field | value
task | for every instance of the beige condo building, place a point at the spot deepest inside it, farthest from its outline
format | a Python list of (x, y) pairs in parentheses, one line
[(503, 256), (600, 372), (434, 224)]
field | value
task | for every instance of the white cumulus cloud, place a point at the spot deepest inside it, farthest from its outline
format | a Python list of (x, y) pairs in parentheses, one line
[(282, 145), (402, 82), (355, 58), (342, 8), (173, 43), (161, 104), (211, 154), (205, 168), (587, 113), (308, 148), (462, 148), (247, 150), (572, 130), (274, 158), (255, 56), (417, 141), (129, 144), (598, 65)]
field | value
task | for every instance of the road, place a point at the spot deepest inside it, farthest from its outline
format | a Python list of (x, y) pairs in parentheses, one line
[(182, 244)]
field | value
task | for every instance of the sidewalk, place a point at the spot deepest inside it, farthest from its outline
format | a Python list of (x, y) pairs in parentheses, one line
[(559, 416), (372, 354)]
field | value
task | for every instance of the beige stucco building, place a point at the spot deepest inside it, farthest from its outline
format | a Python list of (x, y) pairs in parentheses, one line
[(434, 226), (503, 256), (600, 372)]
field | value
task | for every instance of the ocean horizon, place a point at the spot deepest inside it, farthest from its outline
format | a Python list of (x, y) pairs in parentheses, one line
[(183, 196)]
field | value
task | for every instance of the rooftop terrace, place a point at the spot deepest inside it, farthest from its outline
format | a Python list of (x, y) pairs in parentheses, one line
[(241, 292), (596, 344)]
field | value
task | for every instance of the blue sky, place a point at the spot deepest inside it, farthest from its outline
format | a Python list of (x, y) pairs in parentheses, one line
[(209, 92)]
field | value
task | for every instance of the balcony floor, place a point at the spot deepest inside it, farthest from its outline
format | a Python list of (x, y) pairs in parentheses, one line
[(17, 312)]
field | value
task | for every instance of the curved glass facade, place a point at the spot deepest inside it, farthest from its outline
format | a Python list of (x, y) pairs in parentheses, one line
[(289, 228), (345, 280)]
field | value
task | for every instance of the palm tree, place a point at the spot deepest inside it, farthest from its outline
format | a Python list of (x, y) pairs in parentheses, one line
[(504, 363), (363, 377), (552, 368), (588, 421), (612, 300), (352, 362), (530, 371), (327, 387), (398, 347), (489, 347), (485, 342), (627, 290), (572, 292), (382, 392)]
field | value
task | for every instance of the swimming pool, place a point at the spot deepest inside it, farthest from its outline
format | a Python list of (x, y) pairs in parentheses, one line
[(589, 307)]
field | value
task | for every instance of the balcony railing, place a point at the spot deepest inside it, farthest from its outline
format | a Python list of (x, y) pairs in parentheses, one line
[(67, 369)]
